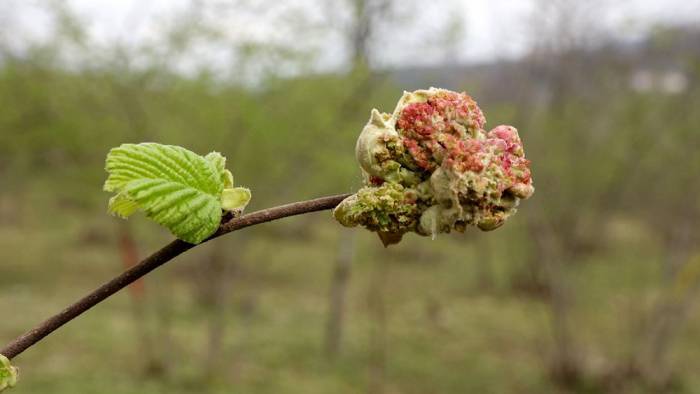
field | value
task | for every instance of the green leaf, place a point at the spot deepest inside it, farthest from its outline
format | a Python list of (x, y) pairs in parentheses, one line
[(235, 198), (8, 374), (175, 187), (219, 163)]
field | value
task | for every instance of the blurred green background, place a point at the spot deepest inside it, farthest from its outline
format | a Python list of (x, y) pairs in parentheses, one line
[(591, 288)]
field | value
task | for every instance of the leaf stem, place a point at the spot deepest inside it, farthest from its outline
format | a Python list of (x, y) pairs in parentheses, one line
[(165, 254)]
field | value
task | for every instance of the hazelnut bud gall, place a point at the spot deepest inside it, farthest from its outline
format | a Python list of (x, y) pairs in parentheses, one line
[(430, 167)]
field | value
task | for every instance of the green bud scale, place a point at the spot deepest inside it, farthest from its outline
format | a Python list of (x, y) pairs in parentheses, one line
[(8, 374)]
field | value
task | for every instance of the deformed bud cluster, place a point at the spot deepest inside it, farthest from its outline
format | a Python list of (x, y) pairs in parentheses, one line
[(431, 167)]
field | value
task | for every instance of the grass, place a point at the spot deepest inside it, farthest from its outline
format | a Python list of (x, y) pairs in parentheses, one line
[(445, 332)]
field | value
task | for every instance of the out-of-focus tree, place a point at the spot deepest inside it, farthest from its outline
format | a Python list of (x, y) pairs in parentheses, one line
[(578, 161), (665, 176)]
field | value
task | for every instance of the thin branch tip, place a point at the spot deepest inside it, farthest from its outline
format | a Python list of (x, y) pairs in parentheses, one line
[(162, 256)]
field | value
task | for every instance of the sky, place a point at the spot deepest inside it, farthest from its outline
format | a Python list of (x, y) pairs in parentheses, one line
[(491, 29), (626, 19)]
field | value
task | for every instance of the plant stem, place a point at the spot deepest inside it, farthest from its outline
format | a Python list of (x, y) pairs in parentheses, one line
[(167, 253)]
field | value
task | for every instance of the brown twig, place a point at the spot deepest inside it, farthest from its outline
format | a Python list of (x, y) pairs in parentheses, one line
[(154, 261)]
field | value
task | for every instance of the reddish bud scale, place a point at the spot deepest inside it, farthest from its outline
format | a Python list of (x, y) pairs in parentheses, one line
[(421, 155), (417, 120), (375, 180), (438, 128), (512, 161)]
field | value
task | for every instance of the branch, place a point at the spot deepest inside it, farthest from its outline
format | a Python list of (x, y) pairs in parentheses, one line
[(154, 261)]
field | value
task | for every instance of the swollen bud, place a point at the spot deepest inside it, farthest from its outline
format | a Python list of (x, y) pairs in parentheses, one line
[(430, 167)]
